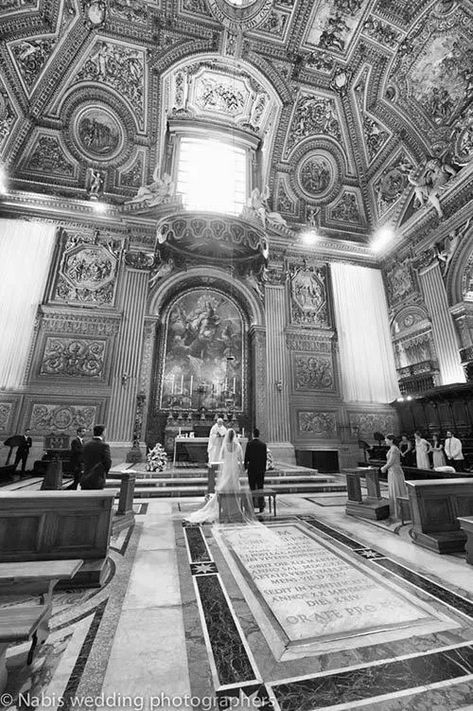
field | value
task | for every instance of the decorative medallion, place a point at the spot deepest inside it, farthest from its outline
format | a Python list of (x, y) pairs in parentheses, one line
[(240, 15), (98, 132), (73, 357), (313, 372), (316, 175)]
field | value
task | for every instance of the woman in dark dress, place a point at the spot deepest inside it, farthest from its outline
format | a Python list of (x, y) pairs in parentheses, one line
[(405, 447)]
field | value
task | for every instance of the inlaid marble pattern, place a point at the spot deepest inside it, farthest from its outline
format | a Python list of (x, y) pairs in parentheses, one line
[(346, 687), (196, 542), (231, 659)]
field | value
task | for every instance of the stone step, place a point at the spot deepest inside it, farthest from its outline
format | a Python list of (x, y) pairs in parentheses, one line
[(202, 481), (142, 492)]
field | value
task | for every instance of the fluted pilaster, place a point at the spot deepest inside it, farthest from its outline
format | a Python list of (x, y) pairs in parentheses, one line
[(443, 330), (277, 373), (126, 371)]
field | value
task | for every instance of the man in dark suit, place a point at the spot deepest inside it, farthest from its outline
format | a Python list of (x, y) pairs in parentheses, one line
[(23, 450), (97, 461), (255, 463), (77, 446)]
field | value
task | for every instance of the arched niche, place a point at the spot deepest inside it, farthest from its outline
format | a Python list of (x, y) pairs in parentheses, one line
[(203, 352), (213, 91), (459, 282), (411, 332)]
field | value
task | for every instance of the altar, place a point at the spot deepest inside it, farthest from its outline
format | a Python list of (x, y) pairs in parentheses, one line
[(190, 450), (193, 450)]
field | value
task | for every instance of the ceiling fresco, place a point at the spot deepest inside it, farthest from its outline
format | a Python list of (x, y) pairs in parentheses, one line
[(363, 108)]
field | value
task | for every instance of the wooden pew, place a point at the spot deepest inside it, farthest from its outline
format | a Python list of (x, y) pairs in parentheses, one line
[(20, 623), (58, 525), (436, 505)]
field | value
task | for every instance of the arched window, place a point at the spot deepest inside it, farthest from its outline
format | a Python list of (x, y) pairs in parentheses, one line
[(213, 168)]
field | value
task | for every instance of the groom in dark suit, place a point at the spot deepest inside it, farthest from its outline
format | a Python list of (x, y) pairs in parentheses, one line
[(97, 461), (255, 463)]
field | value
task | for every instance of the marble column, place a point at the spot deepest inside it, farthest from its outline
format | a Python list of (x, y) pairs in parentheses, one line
[(443, 330), (128, 356), (277, 374)]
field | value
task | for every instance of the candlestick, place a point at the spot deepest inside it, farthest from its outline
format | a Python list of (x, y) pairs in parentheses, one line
[(191, 384), (225, 383), (182, 384), (242, 431), (172, 387), (234, 384)]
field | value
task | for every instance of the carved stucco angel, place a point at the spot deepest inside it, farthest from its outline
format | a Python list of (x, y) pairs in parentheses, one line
[(431, 182), (258, 205), (446, 248), (155, 192)]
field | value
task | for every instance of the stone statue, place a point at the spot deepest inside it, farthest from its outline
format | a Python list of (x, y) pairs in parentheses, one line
[(156, 192), (258, 207), (95, 183), (431, 182)]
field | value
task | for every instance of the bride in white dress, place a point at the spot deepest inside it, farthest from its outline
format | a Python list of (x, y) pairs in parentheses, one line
[(232, 501)]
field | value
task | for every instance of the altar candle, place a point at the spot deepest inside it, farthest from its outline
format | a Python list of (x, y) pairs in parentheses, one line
[(172, 387), (182, 384), (242, 431), (190, 386), (225, 383), (234, 384)]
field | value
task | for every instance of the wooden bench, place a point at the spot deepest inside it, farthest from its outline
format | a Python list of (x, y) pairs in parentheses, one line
[(436, 506), (22, 623), (58, 525)]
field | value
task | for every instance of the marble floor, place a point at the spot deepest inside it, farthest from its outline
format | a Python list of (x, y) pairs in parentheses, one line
[(181, 624)]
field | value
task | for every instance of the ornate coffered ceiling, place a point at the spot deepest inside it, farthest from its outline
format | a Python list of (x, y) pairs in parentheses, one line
[(363, 108)]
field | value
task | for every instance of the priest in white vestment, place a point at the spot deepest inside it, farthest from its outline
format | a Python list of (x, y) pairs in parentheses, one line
[(214, 447)]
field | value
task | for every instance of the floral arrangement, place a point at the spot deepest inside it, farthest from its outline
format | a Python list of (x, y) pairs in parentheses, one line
[(269, 460), (156, 459)]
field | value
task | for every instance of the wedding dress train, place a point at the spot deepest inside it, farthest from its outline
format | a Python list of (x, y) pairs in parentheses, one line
[(232, 501)]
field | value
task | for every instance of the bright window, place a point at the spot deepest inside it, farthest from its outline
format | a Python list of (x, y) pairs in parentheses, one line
[(212, 176)]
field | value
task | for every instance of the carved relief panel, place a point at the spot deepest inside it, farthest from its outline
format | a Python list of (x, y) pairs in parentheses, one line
[(312, 362), (75, 347), (73, 357), (61, 417), (88, 270), (6, 411), (308, 289), (317, 424), (365, 423)]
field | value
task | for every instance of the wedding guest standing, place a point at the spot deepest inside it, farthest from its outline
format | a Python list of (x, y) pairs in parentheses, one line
[(454, 451), (396, 482), (405, 448), (423, 449), (77, 446), (437, 449), (23, 450)]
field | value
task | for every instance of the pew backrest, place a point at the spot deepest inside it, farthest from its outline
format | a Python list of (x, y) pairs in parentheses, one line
[(54, 525)]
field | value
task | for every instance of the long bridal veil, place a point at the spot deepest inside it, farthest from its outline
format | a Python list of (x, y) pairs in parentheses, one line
[(232, 501)]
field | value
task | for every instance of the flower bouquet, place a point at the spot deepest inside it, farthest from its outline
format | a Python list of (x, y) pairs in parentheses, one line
[(156, 459), (269, 460)]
